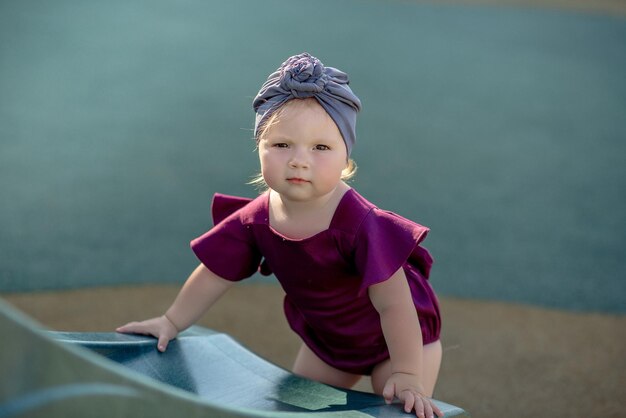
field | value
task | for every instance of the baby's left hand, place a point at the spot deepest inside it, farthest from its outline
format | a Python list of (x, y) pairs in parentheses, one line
[(407, 388)]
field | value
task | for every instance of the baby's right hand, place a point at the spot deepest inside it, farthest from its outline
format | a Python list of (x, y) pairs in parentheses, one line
[(160, 327)]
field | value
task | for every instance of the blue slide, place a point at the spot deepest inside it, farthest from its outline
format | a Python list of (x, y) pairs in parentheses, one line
[(202, 374)]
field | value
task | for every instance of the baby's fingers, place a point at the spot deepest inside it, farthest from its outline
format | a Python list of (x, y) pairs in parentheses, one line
[(389, 392), (136, 328), (130, 328), (428, 407), (410, 401), (436, 409), (162, 343), (424, 406)]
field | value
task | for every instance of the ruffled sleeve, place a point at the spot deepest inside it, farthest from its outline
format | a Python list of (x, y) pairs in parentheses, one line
[(223, 206), (384, 243), (229, 248)]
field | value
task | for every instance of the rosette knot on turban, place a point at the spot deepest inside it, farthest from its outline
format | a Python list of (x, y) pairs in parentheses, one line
[(303, 76)]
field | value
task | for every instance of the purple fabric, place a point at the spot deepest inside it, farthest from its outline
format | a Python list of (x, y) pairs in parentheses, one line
[(326, 276), (302, 76)]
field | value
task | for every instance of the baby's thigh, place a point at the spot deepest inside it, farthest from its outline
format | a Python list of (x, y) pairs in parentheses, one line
[(309, 365)]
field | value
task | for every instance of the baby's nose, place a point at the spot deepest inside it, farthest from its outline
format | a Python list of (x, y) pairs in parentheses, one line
[(299, 158)]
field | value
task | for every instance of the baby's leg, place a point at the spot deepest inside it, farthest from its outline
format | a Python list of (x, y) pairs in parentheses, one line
[(432, 361), (309, 365)]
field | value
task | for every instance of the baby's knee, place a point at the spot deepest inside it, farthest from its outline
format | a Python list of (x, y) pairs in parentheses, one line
[(380, 375)]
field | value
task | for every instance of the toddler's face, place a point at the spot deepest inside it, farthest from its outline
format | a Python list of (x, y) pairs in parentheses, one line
[(302, 154)]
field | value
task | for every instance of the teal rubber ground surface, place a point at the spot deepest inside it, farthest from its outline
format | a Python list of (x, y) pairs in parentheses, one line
[(202, 373), (502, 129)]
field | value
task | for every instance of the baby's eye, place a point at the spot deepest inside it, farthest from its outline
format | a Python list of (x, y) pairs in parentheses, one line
[(280, 145), (321, 147)]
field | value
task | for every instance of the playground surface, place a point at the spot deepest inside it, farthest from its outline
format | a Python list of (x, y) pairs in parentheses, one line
[(498, 357), (202, 374)]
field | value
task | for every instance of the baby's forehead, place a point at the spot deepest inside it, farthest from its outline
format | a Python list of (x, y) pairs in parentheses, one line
[(307, 109), (299, 111), (302, 105), (304, 121)]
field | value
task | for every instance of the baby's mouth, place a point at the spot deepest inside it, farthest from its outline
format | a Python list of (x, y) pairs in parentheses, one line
[(297, 180)]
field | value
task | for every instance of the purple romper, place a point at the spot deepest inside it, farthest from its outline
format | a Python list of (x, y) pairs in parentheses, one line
[(326, 276)]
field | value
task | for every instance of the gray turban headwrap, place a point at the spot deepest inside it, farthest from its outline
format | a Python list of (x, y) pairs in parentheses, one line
[(303, 76)]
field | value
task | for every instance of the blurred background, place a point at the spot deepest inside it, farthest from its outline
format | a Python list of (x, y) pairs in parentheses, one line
[(502, 127)]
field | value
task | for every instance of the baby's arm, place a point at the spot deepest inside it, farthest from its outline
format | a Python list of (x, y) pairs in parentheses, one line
[(201, 290), (398, 317)]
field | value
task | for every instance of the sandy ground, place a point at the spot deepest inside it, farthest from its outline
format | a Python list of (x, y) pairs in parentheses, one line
[(499, 359)]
